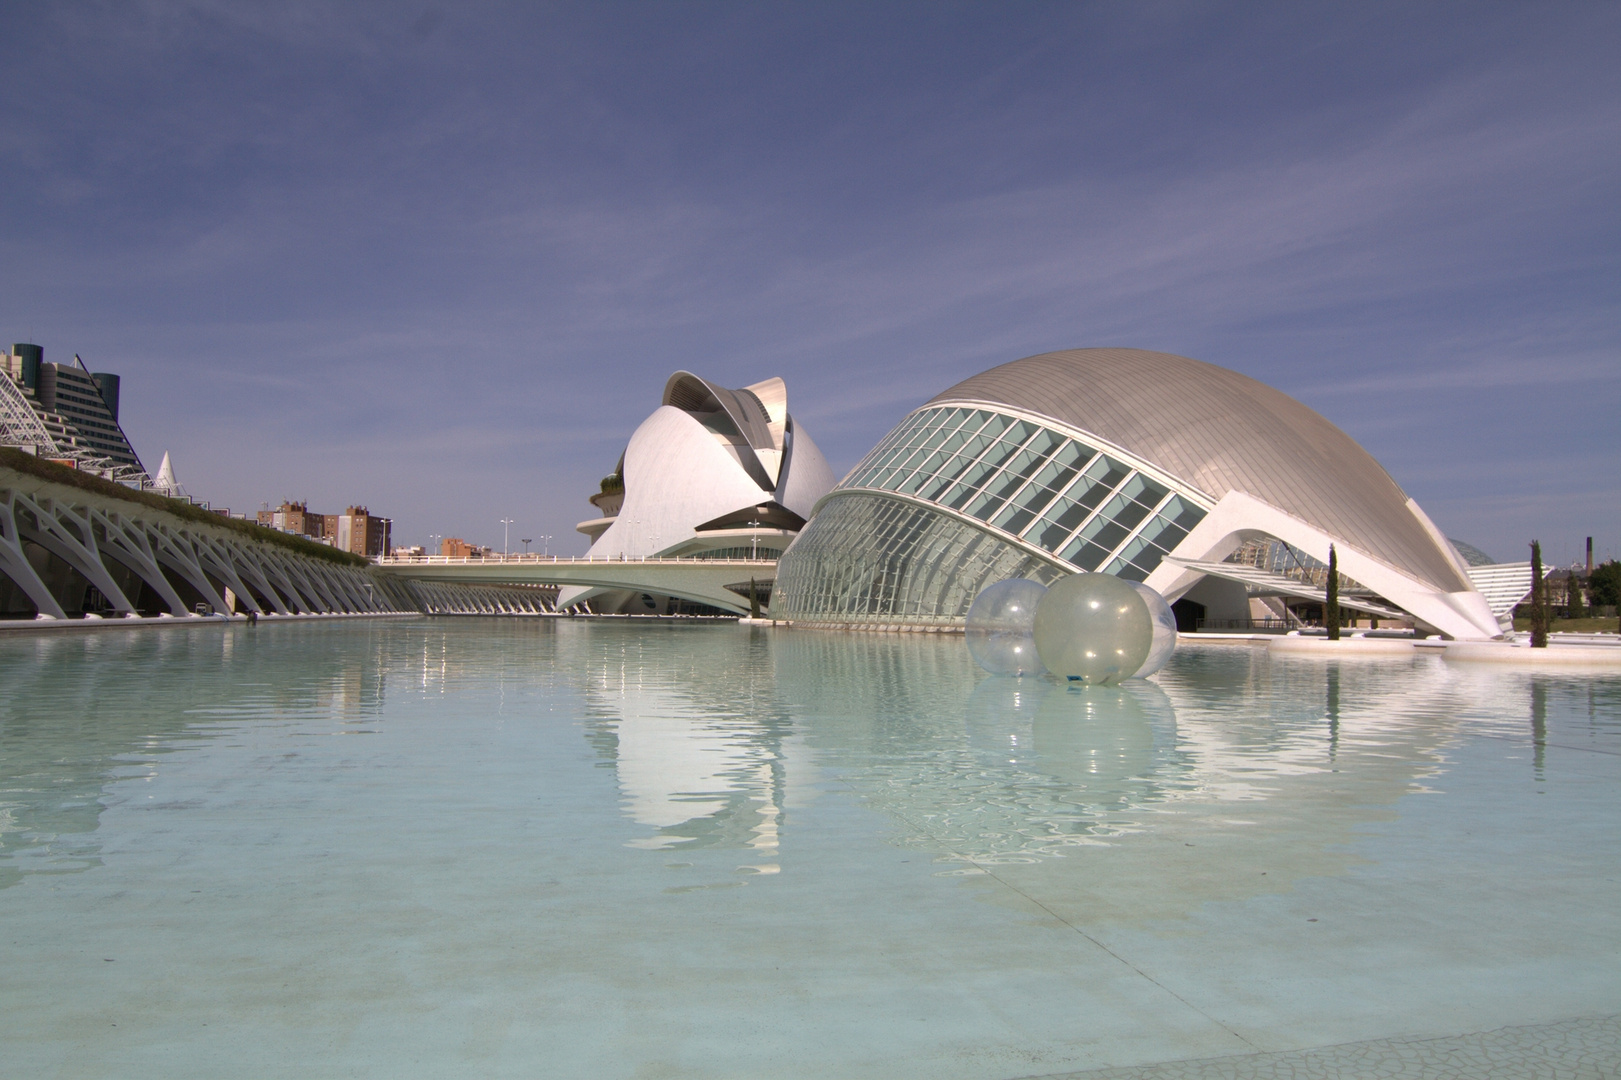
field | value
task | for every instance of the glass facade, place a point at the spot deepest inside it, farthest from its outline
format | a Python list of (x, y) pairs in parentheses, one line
[(866, 559), (869, 557)]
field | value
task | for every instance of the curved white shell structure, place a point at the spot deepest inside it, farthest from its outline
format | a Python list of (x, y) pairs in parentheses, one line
[(712, 472)]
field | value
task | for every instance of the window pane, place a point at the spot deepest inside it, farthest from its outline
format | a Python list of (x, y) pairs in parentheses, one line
[(1084, 554), (1074, 455), (1014, 518), (984, 506), (1144, 490), (1020, 431), (1044, 442), (1000, 454)]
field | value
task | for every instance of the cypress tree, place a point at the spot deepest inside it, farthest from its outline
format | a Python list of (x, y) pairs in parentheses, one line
[(1539, 600), (1574, 608), (1331, 609)]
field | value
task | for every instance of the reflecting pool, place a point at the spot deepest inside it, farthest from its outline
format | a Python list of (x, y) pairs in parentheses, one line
[(502, 847)]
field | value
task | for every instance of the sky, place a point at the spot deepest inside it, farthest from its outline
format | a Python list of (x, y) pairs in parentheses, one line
[(439, 259)]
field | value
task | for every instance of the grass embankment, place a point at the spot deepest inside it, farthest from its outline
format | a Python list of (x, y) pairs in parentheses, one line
[(29, 465), (1600, 625)]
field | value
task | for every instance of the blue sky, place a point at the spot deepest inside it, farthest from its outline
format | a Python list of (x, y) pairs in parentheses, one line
[(439, 259)]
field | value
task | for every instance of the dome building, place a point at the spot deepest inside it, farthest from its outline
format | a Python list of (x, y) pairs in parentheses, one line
[(1141, 464), (712, 473)]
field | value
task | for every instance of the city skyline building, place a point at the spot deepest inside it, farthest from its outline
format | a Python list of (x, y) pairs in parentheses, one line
[(74, 412), (356, 530)]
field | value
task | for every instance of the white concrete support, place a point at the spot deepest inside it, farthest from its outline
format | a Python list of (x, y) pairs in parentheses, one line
[(73, 540), (127, 543), (1239, 517), (14, 562), (222, 559), (175, 550), (252, 570), (281, 573)]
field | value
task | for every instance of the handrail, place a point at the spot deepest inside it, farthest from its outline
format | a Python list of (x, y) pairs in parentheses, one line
[(549, 560)]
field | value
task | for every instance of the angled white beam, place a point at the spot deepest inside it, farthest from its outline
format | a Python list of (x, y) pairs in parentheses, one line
[(74, 542), (1238, 517), (14, 560)]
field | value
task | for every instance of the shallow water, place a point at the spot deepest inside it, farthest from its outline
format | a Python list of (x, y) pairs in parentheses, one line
[(564, 848)]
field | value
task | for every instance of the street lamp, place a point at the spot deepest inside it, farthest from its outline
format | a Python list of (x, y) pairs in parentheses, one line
[(504, 523), (526, 542), (754, 542), (548, 542)]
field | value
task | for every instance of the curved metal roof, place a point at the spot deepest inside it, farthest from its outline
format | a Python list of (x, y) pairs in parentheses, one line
[(1221, 431)]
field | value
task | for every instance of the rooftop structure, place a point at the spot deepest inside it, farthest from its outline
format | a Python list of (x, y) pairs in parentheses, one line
[(1141, 464)]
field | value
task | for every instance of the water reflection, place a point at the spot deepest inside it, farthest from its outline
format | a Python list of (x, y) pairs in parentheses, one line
[(82, 714), (1231, 772), (703, 750)]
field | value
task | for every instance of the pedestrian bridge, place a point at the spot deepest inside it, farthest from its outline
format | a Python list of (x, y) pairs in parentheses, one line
[(721, 583)]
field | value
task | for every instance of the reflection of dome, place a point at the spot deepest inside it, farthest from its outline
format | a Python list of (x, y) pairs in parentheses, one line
[(712, 473), (1123, 461)]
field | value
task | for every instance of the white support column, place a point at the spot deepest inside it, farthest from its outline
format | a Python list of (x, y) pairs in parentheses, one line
[(15, 565), (176, 550), (277, 570), (252, 569), (217, 557), (74, 542), (128, 543)]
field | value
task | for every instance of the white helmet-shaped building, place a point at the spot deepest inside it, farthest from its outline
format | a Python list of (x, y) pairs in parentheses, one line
[(713, 473), (1149, 466)]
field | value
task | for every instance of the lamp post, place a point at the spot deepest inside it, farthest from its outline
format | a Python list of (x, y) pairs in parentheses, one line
[(505, 522), (526, 542), (754, 542), (546, 540)]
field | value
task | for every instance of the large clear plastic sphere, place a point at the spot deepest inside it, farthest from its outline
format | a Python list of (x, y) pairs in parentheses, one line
[(1000, 623), (1164, 619), (1093, 628)]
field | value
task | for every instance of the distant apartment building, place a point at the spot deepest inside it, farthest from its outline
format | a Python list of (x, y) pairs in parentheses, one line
[(358, 531), (355, 530), (295, 517), (456, 548), (74, 411)]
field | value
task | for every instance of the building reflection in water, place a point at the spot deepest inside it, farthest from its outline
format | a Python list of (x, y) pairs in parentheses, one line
[(83, 715), (1244, 771), (704, 751)]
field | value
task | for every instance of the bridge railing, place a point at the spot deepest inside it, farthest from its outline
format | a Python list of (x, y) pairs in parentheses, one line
[(546, 560)]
